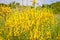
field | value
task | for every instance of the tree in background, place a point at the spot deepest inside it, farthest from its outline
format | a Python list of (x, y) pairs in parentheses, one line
[(13, 5), (56, 7)]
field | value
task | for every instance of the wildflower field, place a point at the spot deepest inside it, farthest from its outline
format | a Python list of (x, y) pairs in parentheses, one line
[(29, 24)]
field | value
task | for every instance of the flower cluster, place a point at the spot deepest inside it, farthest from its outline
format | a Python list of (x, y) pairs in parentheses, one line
[(38, 23), (4, 11)]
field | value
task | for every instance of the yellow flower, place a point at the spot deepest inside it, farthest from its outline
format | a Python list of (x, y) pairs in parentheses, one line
[(48, 33), (1, 38), (33, 1)]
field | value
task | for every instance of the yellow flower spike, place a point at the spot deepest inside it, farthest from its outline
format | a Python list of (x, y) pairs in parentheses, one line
[(1, 17), (58, 33), (58, 37), (36, 35), (31, 35), (48, 33), (1, 38)]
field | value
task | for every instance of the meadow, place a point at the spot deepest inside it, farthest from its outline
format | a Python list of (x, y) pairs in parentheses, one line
[(29, 24)]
